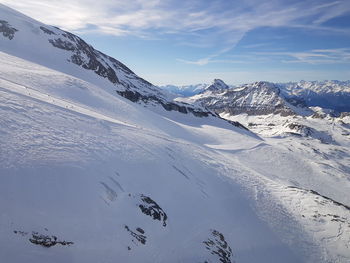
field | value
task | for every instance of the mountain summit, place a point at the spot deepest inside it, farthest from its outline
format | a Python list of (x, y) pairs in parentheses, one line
[(217, 85)]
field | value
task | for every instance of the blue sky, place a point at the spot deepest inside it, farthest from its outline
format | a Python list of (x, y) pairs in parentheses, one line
[(188, 42)]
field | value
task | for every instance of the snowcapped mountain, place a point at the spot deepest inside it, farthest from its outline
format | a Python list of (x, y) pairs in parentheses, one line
[(217, 85), (281, 100), (285, 98), (333, 94), (51, 47), (185, 90), (98, 165), (254, 99), (191, 90)]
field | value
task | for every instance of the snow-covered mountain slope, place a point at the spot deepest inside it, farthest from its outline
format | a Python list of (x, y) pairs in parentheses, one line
[(191, 90), (185, 90), (89, 176), (217, 85), (313, 132), (334, 95), (255, 99), (51, 47), (108, 181), (86, 180), (323, 143)]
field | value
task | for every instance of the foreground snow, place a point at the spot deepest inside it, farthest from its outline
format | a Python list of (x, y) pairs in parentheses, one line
[(79, 168)]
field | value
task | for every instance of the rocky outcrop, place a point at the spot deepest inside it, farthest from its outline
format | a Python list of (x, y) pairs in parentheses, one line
[(134, 88), (7, 30), (135, 96), (306, 131), (44, 240), (217, 245), (84, 55), (321, 198), (151, 208), (47, 31)]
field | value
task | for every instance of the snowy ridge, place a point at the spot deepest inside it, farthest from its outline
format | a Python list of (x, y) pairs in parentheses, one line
[(185, 90), (217, 86), (191, 90), (53, 48), (333, 95)]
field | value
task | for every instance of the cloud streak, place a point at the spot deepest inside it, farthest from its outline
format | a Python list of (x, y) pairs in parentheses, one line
[(191, 16), (315, 56), (216, 23)]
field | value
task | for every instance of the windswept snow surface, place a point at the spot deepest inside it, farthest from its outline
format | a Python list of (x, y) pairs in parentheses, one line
[(76, 167), (81, 175), (88, 176)]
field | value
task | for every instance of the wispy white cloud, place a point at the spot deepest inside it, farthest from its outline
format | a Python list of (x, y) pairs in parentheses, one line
[(315, 56), (175, 16), (219, 23), (208, 59)]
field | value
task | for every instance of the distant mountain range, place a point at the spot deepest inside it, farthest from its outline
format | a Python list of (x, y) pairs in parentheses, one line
[(334, 95)]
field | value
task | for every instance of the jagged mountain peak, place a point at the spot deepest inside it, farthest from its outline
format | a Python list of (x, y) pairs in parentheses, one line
[(217, 85), (254, 99)]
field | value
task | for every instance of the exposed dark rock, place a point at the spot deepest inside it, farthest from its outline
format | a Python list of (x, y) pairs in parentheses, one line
[(7, 30), (47, 31), (317, 115), (139, 229), (62, 44), (325, 197), (235, 109), (86, 56), (44, 240), (131, 95), (151, 208), (135, 96), (305, 131), (236, 124), (344, 114), (139, 237), (218, 246)]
